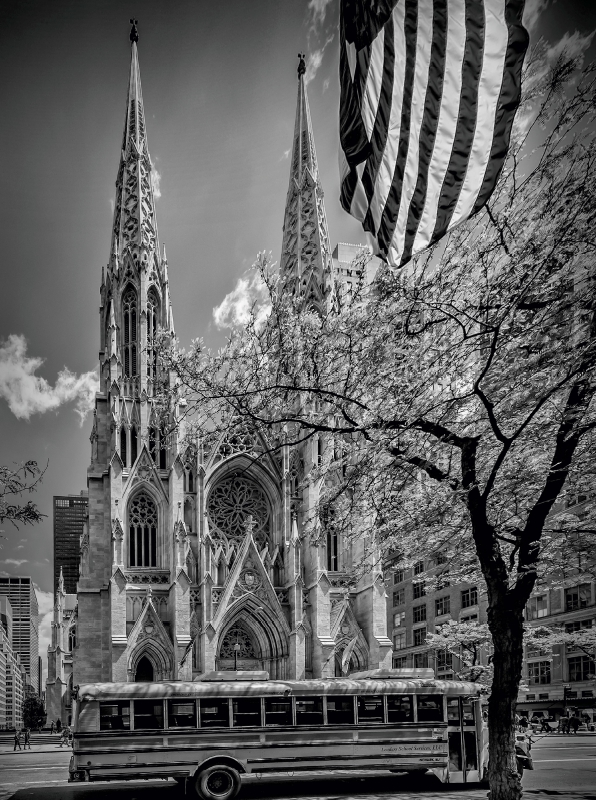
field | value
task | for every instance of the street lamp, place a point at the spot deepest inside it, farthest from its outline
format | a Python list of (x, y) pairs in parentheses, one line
[(236, 651)]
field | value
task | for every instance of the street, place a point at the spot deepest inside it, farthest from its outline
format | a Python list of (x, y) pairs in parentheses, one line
[(565, 767)]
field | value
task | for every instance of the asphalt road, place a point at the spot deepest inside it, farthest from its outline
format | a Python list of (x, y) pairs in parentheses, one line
[(565, 767)]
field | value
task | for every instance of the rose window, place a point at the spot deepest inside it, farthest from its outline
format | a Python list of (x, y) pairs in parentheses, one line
[(235, 504)]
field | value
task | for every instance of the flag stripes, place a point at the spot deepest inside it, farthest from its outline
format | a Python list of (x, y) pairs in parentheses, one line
[(429, 89)]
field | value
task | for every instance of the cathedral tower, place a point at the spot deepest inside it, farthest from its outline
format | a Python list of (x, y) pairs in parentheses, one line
[(133, 604)]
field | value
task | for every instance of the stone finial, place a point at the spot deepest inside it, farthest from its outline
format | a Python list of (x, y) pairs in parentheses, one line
[(134, 32), (249, 525), (301, 64)]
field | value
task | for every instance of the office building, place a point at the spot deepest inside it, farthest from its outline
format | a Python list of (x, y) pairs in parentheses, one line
[(70, 516), (25, 624)]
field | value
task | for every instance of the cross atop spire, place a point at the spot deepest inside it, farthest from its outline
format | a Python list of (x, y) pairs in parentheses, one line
[(135, 225), (305, 253)]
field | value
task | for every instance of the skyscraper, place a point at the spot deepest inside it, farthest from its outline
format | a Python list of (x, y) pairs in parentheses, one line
[(25, 625), (70, 515)]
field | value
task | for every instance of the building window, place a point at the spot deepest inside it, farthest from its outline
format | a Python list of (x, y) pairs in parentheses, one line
[(419, 636), (419, 613), (418, 567), (442, 579), (543, 696), (444, 660), (401, 662), (440, 558), (142, 531), (577, 625), (442, 606), (399, 641), (418, 589), (421, 660), (398, 576), (129, 318), (581, 668), (539, 672), (536, 607), (469, 618), (530, 697), (399, 619), (578, 597), (469, 597), (399, 597)]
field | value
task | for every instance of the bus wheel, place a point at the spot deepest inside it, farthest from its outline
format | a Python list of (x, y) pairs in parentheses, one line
[(218, 782)]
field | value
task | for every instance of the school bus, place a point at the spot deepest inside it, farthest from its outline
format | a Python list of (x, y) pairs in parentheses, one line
[(210, 732)]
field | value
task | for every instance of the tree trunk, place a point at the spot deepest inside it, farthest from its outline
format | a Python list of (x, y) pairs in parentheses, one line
[(506, 626)]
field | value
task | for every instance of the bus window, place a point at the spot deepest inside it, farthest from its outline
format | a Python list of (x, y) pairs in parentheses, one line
[(278, 711), (148, 714), (114, 716), (182, 715), (309, 711), (246, 711), (430, 708), (340, 710), (455, 759), (370, 708), (468, 709), (470, 747), (453, 710), (215, 713), (400, 708)]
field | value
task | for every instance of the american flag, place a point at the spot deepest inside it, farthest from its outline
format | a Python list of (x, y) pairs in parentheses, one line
[(429, 90)]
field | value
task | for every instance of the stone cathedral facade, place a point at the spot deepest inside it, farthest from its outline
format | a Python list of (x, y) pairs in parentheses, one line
[(195, 557)]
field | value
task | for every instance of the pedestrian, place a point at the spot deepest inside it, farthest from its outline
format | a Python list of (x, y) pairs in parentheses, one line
[(27, 739), (52, 727), (574, 723), (523, 724), (17, 740), (63, 736), (564, 724), (545, 726), (517, 721)]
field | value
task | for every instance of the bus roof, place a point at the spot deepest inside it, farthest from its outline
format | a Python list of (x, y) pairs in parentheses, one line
[(329, 686)]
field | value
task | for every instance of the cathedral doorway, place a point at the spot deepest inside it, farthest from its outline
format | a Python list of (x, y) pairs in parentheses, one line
[(144, 673)]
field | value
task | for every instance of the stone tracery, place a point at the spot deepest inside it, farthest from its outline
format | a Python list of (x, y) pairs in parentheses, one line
[(231, 502)]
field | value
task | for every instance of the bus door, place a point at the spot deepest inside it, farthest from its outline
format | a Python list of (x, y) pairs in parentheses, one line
[(463, 739)]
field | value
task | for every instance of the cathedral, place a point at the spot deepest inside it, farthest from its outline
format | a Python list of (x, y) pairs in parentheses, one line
[(195, 556)]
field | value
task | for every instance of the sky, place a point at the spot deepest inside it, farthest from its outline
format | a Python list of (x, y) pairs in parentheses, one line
[(219, 90)]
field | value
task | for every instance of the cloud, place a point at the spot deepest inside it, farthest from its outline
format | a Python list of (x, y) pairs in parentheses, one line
[(572, 44), (45, 601), (27, 393), (20, 547), (16, 562), (286, 154), (326, 84), (249, 295), (318, 9), (315, 59), (112, 204), (155, 182), (532, 11)]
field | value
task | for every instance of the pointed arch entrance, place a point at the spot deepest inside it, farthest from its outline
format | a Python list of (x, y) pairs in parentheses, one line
[(144, 672), (263, 645)]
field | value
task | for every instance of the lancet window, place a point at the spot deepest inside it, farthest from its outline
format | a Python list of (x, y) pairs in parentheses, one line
[(152, 318), (123, 448), (158, 446), (142, 531), (133, 445), (129, 319)]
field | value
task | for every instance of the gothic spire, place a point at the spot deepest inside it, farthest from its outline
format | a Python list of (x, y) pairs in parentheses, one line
[(305, 251), (135, 225)]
